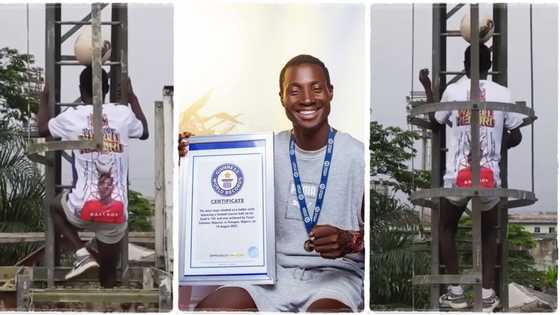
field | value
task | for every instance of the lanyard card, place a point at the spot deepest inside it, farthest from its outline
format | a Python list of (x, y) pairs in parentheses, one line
[(226, 199)]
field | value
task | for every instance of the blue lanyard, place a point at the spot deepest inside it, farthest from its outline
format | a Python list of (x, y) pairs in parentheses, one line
[(307, 220)]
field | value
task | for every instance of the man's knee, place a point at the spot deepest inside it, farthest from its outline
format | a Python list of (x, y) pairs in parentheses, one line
[(328, 306), (228, 299)]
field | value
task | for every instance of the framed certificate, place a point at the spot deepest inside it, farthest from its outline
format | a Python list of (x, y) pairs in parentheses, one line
[(226, 200)]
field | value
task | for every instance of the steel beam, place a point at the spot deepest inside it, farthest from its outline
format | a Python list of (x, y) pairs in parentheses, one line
[(119, 54), (52, 172), (96, 43), (77, 26), (454, 10), (439, 64), (517, 107), (500, 65), (476, 215)]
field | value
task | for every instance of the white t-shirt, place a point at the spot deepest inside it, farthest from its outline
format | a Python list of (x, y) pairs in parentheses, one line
[(108, 168), (492, 124)]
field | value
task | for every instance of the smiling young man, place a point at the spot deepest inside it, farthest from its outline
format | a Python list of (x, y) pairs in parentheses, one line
[(319, 189)]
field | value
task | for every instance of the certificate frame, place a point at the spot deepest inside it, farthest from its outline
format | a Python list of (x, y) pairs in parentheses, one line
[(205, 149)]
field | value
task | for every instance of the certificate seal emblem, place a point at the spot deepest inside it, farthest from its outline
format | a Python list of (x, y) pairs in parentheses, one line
[(227, 179)]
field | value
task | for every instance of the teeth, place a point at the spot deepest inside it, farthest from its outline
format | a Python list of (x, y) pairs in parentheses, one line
[(307, 112)]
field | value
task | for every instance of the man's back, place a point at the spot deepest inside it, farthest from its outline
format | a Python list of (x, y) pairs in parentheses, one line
[(492, 125), (118, 125)]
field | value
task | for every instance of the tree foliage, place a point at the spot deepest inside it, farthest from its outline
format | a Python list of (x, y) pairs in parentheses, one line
[(395, 225), (394, 228), (20, 82), (140, 210), (21, 193), (22, 185), (391, 150)]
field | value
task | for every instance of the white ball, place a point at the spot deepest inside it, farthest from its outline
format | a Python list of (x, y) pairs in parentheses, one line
[(486, 27), (83, 49)]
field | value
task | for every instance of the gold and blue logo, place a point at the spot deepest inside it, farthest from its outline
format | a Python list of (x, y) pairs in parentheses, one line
[(227, 179)]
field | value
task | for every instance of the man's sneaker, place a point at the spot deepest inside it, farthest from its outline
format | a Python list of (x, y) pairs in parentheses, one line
[(490, 303), (454, 301), (81, 264)]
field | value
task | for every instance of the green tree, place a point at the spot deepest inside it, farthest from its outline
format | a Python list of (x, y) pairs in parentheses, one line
[(20, 82), (391, 149), (21, 193), (140, 210), (395, 226), (551, 277), (21, 182)]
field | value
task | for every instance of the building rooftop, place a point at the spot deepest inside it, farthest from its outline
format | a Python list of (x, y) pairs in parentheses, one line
[(534, 218)]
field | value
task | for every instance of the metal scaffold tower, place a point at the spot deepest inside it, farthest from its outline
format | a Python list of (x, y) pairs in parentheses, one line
[(509, 198), (147, 285)]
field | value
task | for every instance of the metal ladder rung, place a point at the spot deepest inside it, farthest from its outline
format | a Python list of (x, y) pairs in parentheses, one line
[(68, 104), (471, 278), (456, 33), (498, 266), (68, 57), (463, 72), (75, 63), (64, 186), (85, 23)]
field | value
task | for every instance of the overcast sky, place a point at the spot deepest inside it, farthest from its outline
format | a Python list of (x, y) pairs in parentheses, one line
[(391, 78), (150, 58), (151, 67)]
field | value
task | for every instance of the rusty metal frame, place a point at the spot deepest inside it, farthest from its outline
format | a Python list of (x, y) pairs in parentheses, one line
[(55, 149)]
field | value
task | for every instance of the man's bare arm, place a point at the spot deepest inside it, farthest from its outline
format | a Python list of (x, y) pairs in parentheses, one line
[(137, 110), (43, 114), (424, 78)]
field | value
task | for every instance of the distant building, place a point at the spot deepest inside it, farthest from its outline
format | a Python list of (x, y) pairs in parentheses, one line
[(544, 227)]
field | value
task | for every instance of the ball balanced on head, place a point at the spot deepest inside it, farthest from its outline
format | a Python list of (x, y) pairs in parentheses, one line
[(486, 27), (83, 49)]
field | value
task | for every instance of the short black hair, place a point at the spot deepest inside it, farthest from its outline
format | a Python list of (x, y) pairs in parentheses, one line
[(485, 60), (86, 82), (303, 59), (104, 176)]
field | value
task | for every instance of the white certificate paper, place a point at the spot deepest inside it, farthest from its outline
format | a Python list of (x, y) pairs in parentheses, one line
[(227, 206)]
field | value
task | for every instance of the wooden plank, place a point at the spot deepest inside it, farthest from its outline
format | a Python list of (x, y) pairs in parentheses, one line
[(159, 183), (23, 300), (135, 274), (100, 296), (448, 279), (170, 152), (31, 237)]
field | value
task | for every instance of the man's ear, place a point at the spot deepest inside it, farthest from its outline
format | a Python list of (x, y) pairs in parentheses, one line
[(331, 92), (281, 100)]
